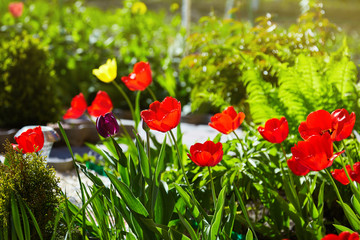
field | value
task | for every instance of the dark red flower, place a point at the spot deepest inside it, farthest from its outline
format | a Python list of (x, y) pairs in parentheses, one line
[(140, 78), (355, 174), (31, 140), (340, 175), (342, 236), (227, 121), (107, 125), (102, 104), (315, 153), (275, 130), (317, 123), (206, 154), (78, 107), (16, 9), (296, 167), (342, 124), (163, 116)]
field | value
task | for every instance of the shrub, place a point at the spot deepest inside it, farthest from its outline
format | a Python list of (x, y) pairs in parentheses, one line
[(82, 37), (28, 83), (26, 176), (221, 51)]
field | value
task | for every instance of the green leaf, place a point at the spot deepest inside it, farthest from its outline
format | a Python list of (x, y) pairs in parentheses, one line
[(231, 217), (164, 206), (130, 236), (137, 109), (34, 222), (143, 159), (188, 202), (16, 217), (160, 166), (351, 216), (216, 220), (355, 204), (120, 153), (249, 235), (244, 210), (131, 201), (320, 204), (25, 220), (187, 226), (342, 228)]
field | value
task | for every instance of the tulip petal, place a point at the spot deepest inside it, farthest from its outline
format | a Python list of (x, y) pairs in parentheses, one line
[(78, 107), (297, 168), (101, 105), (227, 121)]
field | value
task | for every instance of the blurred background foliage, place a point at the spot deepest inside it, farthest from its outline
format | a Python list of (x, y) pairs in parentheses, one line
[(207, 68)]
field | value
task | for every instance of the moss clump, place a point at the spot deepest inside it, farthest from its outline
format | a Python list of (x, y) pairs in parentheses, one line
[(27, 176)]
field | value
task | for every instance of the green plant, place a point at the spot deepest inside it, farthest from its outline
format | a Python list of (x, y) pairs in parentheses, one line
[(82, 37), (26, 181), (312, 83), (28, 83), (220, 52)]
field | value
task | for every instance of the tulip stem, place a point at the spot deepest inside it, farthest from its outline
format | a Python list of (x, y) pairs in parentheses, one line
[(241, 143), (152, 94), (127, 100), (335, 188), (182, 167), (352, 185), (289, 171), (212, 188)]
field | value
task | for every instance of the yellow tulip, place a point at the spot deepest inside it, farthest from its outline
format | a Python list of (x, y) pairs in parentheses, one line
[(106, 72)]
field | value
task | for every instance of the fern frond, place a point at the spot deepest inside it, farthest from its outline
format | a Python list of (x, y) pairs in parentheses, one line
[(292, 95), (310, 81), (259, 93), (343, 75)]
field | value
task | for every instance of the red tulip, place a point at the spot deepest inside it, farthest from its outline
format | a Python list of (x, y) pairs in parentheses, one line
[(102, 104), (315, 153), (342, 124), (78, 107), (163, 116), (206, 154), (296, 167), (140, 78), (31, 140), (340, 175), (339, 124), (342, 236), (16, 9), (355, 174), (227, 121), (275, 130), (317, 123)]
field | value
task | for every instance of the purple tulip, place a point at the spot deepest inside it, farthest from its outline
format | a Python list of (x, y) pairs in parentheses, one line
[(107, 125)]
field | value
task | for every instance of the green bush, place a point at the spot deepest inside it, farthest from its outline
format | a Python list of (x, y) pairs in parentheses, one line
[(82, 37), (28, 83), (26, 176), (221, 51)]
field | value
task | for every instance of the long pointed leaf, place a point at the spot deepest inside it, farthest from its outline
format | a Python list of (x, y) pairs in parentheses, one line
[(25, 220), (131, 201), (144, 161), (188, 226), (216, 220), (16, 217)]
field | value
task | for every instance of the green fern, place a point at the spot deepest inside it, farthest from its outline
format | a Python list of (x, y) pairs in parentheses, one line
[(312, 83), (259, 94)]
